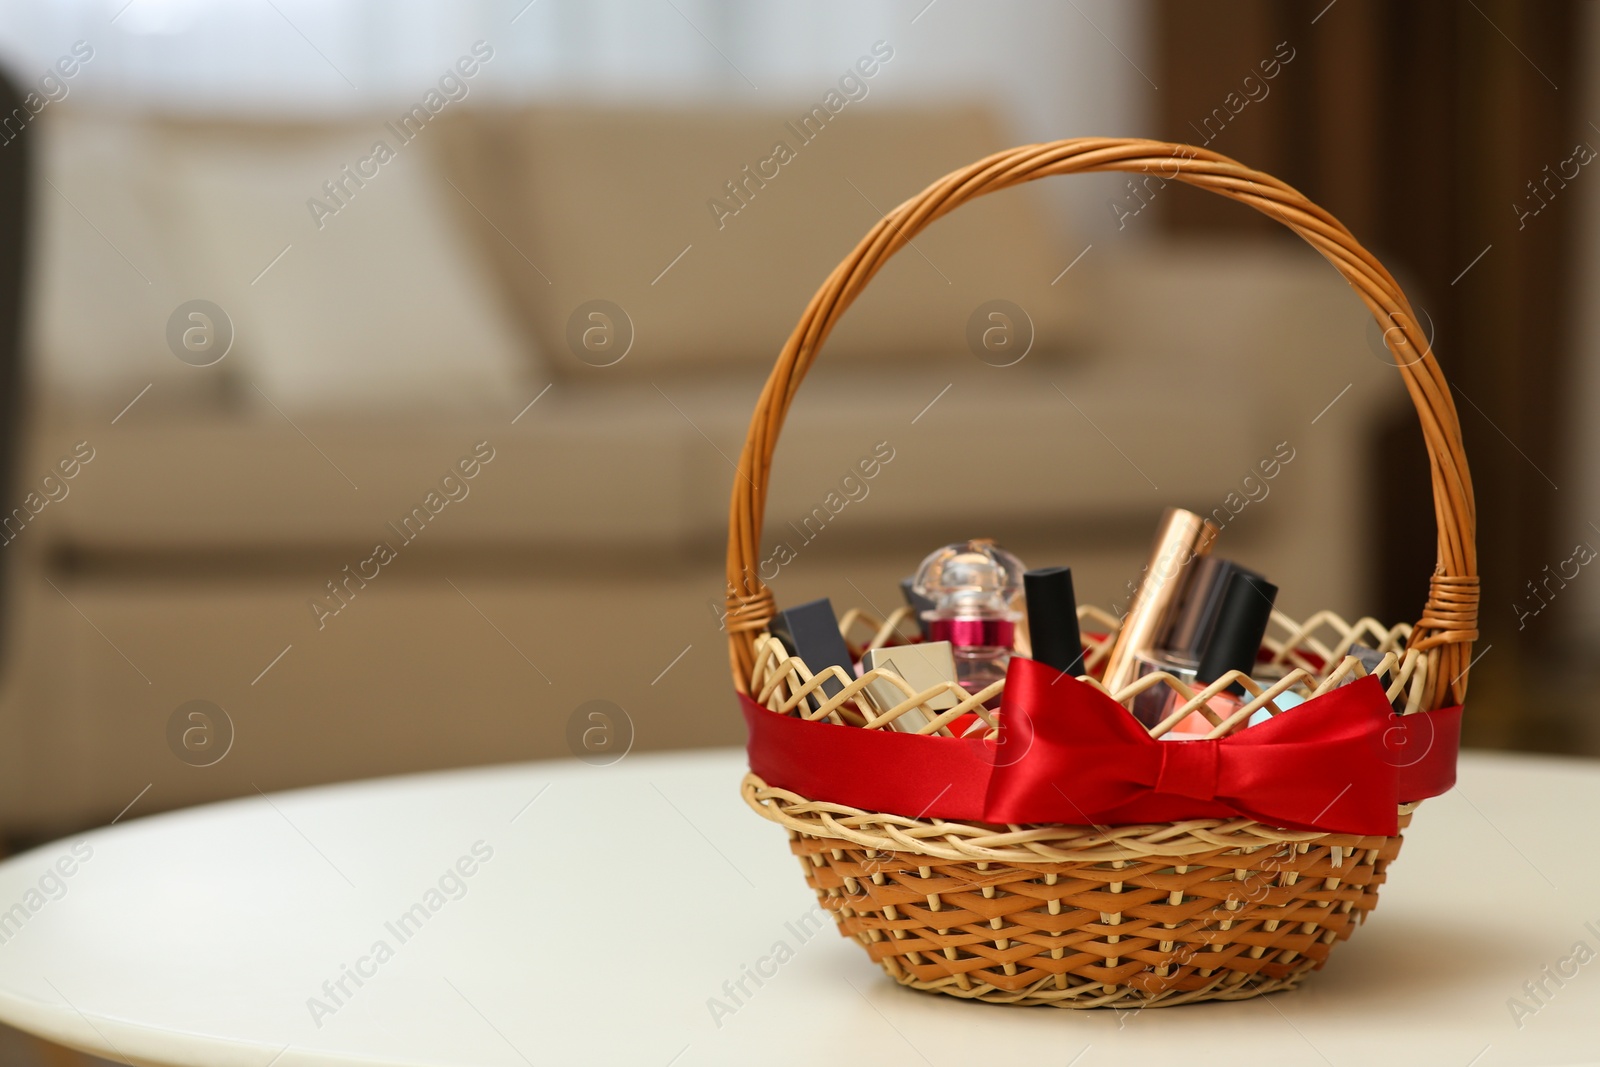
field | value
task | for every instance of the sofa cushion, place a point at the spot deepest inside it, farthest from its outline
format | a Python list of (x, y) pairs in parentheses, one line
[(383, 305), (666, 214)]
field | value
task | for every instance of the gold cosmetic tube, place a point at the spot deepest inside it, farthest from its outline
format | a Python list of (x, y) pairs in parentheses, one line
[(1182, 537)]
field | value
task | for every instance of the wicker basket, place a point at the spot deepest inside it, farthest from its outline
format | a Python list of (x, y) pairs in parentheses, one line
[(1102, 916)]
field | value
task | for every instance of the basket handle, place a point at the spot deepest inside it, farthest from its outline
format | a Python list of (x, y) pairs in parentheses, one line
[(1448, 625)]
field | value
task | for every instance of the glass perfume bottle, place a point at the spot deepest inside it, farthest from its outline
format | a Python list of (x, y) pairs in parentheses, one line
[(972, 585)]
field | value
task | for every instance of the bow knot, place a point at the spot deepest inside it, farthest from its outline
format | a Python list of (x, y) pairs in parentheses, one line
[(1187, 769)]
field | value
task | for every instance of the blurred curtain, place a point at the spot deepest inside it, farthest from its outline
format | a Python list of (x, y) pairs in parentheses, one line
[(1421, 126), (16, 187)]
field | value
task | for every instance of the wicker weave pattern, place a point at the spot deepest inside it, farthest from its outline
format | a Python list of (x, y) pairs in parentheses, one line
[(1084, 917), (1228, 923)]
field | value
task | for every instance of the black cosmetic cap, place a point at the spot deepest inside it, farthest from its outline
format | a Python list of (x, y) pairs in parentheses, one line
[(811, 633), (1196, 612), (917, 602), (1241, 624), (1053, 619)]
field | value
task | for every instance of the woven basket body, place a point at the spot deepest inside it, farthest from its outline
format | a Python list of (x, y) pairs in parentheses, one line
[(1097, 916), (1241, 914)]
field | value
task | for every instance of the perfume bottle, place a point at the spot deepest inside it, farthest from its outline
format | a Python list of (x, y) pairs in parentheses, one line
[(972, 585)]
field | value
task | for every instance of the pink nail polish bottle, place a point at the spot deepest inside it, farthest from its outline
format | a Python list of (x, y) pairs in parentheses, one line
[(1233, 645)]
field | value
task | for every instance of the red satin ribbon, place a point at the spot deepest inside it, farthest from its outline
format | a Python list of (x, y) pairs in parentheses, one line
[(1067, 753)]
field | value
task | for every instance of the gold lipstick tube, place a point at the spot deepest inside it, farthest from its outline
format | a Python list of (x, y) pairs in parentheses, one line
[(1182, 537)]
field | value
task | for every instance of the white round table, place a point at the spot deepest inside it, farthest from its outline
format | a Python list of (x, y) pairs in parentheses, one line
[(563, 913)]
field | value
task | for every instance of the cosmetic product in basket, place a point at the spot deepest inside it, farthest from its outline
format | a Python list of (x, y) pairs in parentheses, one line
[(1152, 705), (1182, 538), (1188, 630), (1235, 642), (919, 604), (810, 632), (1195, 614), (1053, 619), (972, 585), (923, 666), (1283, 701), (1369, 658)]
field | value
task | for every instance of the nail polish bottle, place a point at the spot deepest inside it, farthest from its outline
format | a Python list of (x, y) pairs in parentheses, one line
[(1152, 706), (1053, 619), (1195, 615), (1283, 701), (1186, 635), (972, 585), (1235, 641), (1369, 658)]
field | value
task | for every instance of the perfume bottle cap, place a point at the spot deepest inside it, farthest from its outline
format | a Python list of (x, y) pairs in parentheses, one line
[(1053, 619), (970, 579), (810, 632), (1241, 624)]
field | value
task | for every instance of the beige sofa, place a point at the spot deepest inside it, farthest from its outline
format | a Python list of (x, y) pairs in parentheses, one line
[(583, 561)]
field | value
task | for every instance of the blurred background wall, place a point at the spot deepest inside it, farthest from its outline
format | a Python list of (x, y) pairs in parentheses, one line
[(376, 323)]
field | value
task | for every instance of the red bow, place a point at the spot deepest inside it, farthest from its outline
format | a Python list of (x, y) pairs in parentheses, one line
[(1069, 754)]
